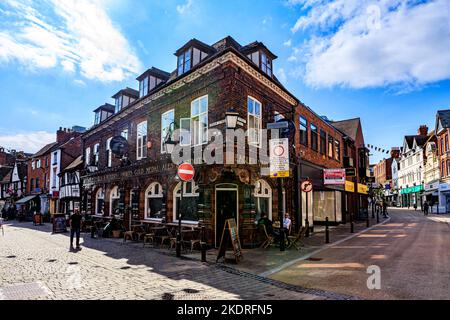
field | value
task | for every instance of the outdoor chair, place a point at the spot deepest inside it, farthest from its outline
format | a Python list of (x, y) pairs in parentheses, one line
[(140, 232), (269, 240), (167, 236), (128, 235), (297, 241), (149, 237)]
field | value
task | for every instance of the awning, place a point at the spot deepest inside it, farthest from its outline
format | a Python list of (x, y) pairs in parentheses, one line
[(26, 199), (432, 192)]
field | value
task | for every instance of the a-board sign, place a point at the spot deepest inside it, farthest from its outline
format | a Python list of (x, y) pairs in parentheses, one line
[(230, 235), (59, 223)]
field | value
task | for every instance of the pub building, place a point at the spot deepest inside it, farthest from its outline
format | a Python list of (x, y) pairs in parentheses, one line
[(209, 83), (214, 87)]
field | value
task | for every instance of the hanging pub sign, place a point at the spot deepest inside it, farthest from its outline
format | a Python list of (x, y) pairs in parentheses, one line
[(279, 158), (334, 176)]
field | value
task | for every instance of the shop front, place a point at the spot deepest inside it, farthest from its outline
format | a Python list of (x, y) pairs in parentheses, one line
[(431, 195), (444, 198), (363, 200), (152, 194), (412, 196)]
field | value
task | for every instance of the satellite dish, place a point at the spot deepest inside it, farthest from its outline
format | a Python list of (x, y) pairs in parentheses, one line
[(118, 146)]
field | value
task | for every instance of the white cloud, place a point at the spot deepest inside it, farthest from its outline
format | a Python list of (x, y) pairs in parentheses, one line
[(27, 141), (75, 34), (287, 43), (281, 75), (79, 82), (185, 7), (361, 44)]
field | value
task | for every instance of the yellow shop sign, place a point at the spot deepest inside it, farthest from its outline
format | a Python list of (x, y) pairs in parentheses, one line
[(349, 186)]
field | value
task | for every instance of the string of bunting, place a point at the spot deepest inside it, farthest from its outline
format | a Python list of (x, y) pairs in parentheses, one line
[(378, 149)]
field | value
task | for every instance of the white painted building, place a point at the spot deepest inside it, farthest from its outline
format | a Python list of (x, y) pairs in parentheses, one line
[(411, 173)]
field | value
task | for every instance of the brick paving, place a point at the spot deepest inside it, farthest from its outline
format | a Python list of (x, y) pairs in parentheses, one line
[(31, 257)]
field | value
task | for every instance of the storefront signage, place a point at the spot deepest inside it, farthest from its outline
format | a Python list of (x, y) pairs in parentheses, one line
[(117, 176), (230, 236), (334, 177), (349, 186), (279, 158), (350, 172), (412, 189), (363, 189)]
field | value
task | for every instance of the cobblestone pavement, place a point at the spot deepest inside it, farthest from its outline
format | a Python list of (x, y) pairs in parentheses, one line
[(34, 264)]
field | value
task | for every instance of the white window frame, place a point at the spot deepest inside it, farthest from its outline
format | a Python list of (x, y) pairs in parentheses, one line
[(176, 194), (109, 153), (263, 185), (185, 133), (124, 133), (259, 118), (165, 129), (100, 195), (150, 194), (114, 195), (96, 153), (140, 145), (201, 139), (88, 156)]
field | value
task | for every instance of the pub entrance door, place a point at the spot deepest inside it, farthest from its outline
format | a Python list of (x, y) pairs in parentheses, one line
[(226, 207)]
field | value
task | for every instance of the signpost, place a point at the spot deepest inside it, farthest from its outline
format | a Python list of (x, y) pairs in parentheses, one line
[(186, 173), (307, 187)]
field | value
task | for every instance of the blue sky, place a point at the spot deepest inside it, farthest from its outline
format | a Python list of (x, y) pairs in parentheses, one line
[(387, 62)]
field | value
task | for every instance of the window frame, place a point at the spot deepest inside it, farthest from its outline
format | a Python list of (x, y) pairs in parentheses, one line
[(140, 145), (314, 134), (305, 142), (108, 153), (257, 117), (159, 195), (163, 132), (201, 139), (323, 142)]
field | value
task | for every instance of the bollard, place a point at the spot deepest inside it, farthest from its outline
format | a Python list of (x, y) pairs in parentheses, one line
[(327, 231), (378, 216), (307, 228), (352, 227), (367, 221), (203, 244), (282, 248)]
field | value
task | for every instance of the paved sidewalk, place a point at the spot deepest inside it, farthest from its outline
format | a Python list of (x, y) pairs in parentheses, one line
[(35, 264), (261, 261)]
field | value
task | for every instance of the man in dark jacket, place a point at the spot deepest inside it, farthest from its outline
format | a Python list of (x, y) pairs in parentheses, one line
[(75, 226)]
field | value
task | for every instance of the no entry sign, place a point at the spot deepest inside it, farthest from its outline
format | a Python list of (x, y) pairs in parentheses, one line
[(186, 171)]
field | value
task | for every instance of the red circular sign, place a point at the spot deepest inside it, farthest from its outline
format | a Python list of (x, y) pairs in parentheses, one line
[(186, 171), (307, 186), (278, 151)]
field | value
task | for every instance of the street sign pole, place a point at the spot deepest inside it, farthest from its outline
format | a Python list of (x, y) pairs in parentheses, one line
[(185, 173), (179, 221)]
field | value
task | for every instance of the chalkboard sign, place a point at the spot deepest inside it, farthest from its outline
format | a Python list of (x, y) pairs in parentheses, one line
[(59, 223), (230, 235)]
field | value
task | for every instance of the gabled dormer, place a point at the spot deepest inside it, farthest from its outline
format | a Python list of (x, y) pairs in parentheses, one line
[(150, 80), (191, 54), (258, 53), (103, 112), (442, 121), (124, 97)]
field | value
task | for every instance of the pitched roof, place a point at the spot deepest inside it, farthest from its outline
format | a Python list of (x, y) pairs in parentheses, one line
[(7, 176), (127, 91), (444, 116), (161, 74), (75, 163), (44, 150), (349, 127), (107, 107), (420, 140)]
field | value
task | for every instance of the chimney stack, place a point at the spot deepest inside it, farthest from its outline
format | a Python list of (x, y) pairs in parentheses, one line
[(395, 152), (423, 130)]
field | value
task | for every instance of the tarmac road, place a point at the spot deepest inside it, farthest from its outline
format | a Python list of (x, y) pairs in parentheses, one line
[(411, 250)]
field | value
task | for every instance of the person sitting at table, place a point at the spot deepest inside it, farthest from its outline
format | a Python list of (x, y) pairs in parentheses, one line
[(264, 220), (287, 226)]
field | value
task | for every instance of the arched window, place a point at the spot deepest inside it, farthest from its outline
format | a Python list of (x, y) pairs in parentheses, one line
[(114, 200), (263, 199), (154, 201), (99, 202), (190, 201)]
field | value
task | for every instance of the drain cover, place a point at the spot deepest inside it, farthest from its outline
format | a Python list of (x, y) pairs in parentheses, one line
[(23, 291)]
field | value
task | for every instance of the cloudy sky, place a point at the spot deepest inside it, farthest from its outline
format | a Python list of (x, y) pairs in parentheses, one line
[(387, 62)]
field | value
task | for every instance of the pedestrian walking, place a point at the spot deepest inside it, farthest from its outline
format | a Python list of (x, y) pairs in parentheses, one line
[(385, 209), (425, 208), (415, 206), (75, 226)]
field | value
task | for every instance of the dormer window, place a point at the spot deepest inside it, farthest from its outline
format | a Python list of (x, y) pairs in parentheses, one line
[(147, 84), (119, 103), (184, 62), (266, 64), (97, 117)]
